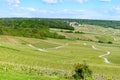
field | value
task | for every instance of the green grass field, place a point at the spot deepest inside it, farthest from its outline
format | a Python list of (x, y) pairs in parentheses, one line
[(57, 57), (18, 76)]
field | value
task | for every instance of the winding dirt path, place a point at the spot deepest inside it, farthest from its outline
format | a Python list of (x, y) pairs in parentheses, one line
[(114, 39), (105, 59), (58, 47), (102, 56), (39, 49), (84, 44), (94, 47)]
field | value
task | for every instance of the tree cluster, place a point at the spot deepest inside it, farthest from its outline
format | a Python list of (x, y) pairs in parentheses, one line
[(31, 27)]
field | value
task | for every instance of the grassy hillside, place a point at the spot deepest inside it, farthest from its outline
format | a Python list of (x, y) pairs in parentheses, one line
[(91, 33), (18, 76), (16, 55), (53, 59)]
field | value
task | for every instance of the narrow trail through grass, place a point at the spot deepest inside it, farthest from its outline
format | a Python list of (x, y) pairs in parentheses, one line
[(43, 50), (39, 49), (105, 59), (103, 56), (94, 47), (61, 46)]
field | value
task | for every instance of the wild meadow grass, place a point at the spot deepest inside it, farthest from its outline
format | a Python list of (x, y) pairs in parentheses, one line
[(18, 57)]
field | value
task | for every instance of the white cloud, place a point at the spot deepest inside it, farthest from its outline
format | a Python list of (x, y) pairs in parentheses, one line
[(72, 12), (28, 9), (62, 12), (13, 2), (117, 8), (114, 10), (51, 1), (81, 1), (105, 0), (56, 1)]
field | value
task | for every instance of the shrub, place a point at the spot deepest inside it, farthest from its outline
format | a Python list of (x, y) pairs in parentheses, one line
[(82, 72), (70, 31), (109, 42), (79, 32), (100, 41)]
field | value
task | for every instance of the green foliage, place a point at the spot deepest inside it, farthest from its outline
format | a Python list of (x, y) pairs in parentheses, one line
[(33, 28), (11, 75), (70, 31), (82, 71), (55, 35), (25, 70), (34, 23), (100, 41), (109, 42), (79, 32)]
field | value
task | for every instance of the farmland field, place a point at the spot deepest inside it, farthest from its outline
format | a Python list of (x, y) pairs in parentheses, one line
[(56, 57), (17, 76), (60, 40)]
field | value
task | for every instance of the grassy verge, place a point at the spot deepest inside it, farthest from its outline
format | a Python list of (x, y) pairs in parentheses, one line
[(18, 76)]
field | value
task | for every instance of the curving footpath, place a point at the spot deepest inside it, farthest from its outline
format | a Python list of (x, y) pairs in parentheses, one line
[(103, 56), (94, 47), (39, 49), (105, 59), (58, 47)]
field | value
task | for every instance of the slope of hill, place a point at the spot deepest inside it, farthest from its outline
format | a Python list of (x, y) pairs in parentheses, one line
[(59, 56), (54, 58), (91, 33), (30, 27)]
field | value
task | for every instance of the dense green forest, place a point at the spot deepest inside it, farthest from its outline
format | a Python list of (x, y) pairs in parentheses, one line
[(104, 23), (31, 27)]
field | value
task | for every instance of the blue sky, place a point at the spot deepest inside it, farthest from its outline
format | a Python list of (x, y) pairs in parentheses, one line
[(82, 9)]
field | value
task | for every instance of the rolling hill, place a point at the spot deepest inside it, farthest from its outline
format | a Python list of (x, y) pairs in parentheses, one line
[(53, 59)]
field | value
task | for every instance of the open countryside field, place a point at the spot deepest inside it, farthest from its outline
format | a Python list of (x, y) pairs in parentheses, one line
[(60, 40), (18, 76), (53, 58), (19, 54), (94, 33)]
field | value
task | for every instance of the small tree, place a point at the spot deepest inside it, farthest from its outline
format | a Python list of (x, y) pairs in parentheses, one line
[(109, 42), (100, 41), (81, 72)]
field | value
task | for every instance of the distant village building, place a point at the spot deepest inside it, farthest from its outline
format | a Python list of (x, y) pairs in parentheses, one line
[(74, 24)]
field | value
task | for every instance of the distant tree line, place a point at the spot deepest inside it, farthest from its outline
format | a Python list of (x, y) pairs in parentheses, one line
[(34, 23), (31, 27), (104, 23)]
